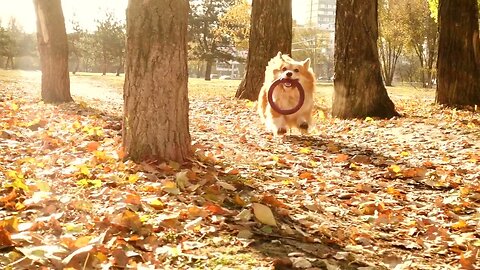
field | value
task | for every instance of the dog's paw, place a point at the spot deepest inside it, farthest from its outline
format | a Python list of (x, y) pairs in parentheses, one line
[(281, 131), (303, 126)]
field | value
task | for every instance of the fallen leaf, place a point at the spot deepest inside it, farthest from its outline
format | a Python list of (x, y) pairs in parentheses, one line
[(264, 214)]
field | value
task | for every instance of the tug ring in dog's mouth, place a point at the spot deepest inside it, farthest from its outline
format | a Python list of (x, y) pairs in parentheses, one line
[(288, 83)]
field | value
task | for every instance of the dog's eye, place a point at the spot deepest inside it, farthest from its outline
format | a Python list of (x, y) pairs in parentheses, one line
[(296, 70), (284, 69)]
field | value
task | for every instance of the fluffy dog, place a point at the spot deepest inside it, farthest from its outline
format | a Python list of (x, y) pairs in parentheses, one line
[(287, 96)]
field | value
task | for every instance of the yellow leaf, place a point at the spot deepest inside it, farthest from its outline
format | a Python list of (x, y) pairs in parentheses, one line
[(42, 186), (14, 107), (101, 257), (395, 168), (461, 224), (82, 183), (368, 119), (321, 115), (250, 104), (305, 150), (404, 154), (84, 170), (156, 204), (264, 214), (19, 206), (133, 178)]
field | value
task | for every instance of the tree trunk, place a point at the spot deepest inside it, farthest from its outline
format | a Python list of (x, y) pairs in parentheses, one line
[(389, 54), (358, 87), (156, 76), (104, 64), (458, 53), (120, 66), (53, 50), (270, 33), (208, 69), (9, 62), (77, 64)]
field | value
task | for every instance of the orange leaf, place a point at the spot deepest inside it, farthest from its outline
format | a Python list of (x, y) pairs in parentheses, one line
[(271, 200), (10, 197), (5, 239), (133, 199), (92, 146), (121, 153), (468, 262), (306, 175), (215, 209), (341, 158)]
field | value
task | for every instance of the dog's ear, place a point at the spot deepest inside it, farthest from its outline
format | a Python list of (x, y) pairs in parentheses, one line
[(306, 63), (279, 54)]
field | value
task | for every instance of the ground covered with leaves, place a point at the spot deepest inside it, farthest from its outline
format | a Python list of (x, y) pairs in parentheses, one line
[(354, 194)]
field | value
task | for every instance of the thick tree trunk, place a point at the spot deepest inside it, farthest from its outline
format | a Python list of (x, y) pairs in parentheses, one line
[(270, 33), (156, 76), (53, 50), (458, 53), (358, 87), (208, 70)]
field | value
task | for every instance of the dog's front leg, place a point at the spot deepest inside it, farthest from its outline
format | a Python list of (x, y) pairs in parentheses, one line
[(278, 125)]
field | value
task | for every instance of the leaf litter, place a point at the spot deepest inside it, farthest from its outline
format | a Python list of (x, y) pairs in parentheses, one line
[(355, 194)]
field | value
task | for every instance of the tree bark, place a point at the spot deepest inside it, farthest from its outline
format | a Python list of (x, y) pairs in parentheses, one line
[(208, 70), (53, 50), (156, 76), (358, 87), (270, 32), (458, 53)]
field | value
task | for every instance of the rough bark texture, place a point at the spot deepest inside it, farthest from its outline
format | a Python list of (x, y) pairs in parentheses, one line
[(53, 50), (458, 53), (155, 90), (270, 33), (359, 90)]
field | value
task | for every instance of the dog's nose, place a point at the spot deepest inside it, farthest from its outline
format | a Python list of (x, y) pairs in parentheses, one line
[(289, 74)]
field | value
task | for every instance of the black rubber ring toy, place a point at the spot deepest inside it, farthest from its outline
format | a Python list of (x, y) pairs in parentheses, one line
[(294, 83)]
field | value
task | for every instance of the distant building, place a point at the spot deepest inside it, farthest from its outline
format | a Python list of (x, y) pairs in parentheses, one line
[(320, 17), (321, 13)]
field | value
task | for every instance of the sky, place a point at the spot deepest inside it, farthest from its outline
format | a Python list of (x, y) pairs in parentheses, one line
[(86, 11)]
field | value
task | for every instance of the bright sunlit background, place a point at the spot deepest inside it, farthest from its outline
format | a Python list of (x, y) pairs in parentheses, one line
[(86, 11)]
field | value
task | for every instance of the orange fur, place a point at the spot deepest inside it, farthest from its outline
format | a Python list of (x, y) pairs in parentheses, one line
[(287, 97)]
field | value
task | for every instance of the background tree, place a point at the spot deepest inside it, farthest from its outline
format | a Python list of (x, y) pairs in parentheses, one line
[(53, 49), (313, 42), (458, 64), (235, 23), (210, 44), (422, 31), (110, 41), (358, 85), (75, 49), (392, 17), (270, 32), (155, 92)]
